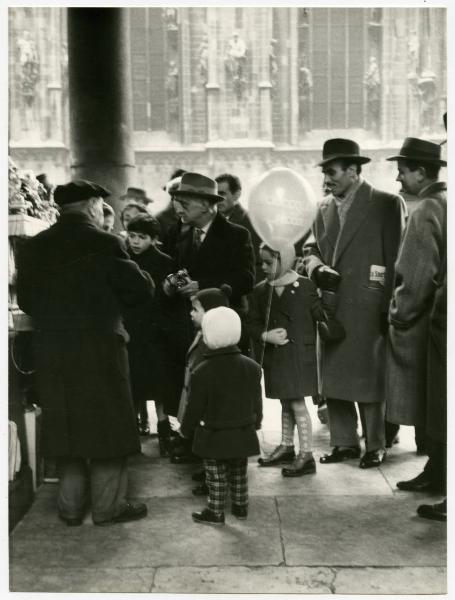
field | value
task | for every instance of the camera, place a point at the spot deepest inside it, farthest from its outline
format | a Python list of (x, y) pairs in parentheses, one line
[(179, 279)]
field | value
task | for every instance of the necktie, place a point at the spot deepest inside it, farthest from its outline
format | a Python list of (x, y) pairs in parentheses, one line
[(197, 239)]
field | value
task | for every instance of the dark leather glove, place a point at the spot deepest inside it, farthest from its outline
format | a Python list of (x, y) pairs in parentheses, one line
[(327, 278), (330, 329)]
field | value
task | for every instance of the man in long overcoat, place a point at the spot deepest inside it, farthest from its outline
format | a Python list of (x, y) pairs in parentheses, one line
[(417, 335), (355, 241), (74, 280), (212, 250)]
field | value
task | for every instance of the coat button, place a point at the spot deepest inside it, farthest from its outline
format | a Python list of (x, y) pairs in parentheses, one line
[(201, 423)]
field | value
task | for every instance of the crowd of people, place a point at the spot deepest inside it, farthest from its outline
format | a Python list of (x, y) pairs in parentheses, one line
[(190, 308)]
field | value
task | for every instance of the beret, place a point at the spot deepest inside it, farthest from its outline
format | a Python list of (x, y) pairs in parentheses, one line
[(77, 191)]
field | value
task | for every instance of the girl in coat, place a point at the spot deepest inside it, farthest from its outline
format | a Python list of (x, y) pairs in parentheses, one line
[(223, 413), (282, 320)]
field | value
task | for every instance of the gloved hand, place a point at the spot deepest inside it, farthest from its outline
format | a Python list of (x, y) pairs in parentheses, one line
[(330, 329), (277, 337), (327, 278)]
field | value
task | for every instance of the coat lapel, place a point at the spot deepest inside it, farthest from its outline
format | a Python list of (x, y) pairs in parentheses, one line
[(331, 221), (354, 218), (212, 240)]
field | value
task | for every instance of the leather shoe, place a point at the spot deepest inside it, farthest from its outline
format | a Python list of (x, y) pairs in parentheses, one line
[(200, 490), (421, 483), (207, 517), (436, 512), (299, 467), (199, 477), (339, 455), (131, 512), (371, 459), (71, 521), (239, 512), (184, 459), (281, 454)]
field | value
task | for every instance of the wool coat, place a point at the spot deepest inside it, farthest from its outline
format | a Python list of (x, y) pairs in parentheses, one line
[(239, 216), (75, 280), (194, 357), (147, 324), (290, 371), (364, 255), (420, 272), (225, 406)]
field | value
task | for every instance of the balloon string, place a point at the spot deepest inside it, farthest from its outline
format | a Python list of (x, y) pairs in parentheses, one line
[(269, 308)]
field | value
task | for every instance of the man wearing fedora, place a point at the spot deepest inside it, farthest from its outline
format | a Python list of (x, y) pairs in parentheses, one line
[(417, 334), (355, 241), (74, 279), (211, 249), (134, 194)]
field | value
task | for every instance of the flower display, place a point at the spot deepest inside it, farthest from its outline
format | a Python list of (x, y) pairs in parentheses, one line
[(26, 195)]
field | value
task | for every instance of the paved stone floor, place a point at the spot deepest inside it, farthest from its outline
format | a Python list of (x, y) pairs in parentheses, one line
[(340, 531)]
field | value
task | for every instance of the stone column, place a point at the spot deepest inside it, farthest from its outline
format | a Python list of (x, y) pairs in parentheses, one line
[(185, 75), (100, 97), (293, 41)]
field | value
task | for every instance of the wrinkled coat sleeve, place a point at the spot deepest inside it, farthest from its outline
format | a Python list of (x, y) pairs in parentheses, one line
[(240, 271), (416, 268), (392, 236), (312, 257), (197, 402), (132, 285)]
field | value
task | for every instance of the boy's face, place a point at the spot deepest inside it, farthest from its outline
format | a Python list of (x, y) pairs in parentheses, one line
[(197, 312), (139, 242), (270, 265)]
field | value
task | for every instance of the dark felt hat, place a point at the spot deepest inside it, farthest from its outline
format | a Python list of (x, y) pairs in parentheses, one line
[(420, 151), (214, 297), (77, 191), (145, 224), (341, 148), (198, 186), (138, 194)]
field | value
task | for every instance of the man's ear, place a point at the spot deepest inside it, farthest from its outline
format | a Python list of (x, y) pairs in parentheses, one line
[(236, 195)]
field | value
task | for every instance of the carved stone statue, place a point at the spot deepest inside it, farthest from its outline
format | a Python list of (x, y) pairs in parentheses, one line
[(273, 63), (305, 81), (203, 63), (30, 68), (372, 83), (235, 63), (427, 87), (172, 92)]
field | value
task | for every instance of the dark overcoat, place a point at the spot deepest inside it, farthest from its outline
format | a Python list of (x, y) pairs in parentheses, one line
[(420, 271), (75, 281), (353, 369), (225, 256), (240, 216), (225, 406), (147, 324), (194, 357), (290, 371)]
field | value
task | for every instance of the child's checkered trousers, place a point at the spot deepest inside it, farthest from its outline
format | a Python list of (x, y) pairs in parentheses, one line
[(221, 473)]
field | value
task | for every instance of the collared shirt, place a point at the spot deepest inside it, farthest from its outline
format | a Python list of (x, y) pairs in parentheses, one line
[(203, 231), (344, 204)]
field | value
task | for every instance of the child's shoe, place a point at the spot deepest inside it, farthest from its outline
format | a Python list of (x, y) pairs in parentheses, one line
[(207, 517), (300, 467), (199, 476), (239, 512), (281, 454), (200, 490)]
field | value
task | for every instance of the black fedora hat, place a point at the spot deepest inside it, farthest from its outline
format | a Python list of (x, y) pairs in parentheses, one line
[(198, 186), (341, 148), (420, 151)]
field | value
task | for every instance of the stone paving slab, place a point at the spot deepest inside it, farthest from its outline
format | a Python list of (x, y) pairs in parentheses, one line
[(359, 531), (168, 537), (67, 580), (245, 580), (404, 580)]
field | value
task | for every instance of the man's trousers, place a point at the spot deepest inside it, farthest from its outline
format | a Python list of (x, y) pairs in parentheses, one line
[(343, 423), (99, 483)]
